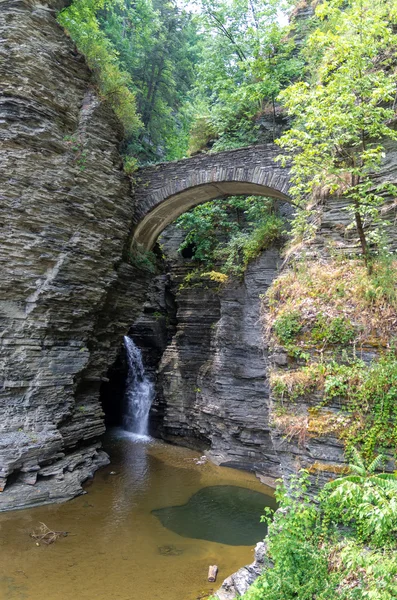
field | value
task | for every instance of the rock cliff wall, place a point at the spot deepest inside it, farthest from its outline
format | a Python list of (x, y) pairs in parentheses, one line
[(212, 384), (65, 213)]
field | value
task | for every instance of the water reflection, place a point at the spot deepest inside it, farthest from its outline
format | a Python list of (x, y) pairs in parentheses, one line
[(133, 480), (224, 513)]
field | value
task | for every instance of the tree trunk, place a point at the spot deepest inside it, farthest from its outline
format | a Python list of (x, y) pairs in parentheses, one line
[(363, 240)]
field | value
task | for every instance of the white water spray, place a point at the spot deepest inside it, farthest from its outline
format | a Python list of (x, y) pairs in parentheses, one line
[(139, 392)]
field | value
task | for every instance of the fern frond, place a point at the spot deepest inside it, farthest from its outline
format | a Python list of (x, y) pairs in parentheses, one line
[(333, 485), (381, 458), (358, 460), (388, 484)]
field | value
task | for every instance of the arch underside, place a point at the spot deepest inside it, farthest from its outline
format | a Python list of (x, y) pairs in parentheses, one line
[(157, 219)]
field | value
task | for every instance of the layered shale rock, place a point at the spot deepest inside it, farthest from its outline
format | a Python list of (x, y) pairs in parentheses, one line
[(65, 214), (212, 383)]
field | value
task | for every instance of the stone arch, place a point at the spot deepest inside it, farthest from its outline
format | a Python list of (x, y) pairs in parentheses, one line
[(165, 191)]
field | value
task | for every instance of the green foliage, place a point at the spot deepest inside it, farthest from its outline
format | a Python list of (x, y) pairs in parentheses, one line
[(383, 279), (143, 55), (156, 43), (245, 246), (216, 276), (338, 330), (225, 235), (202, 132), (288, 326), (366, 501), (300, 565), (323, 330), (130, 164), (143, 260), (315, 547), (368, 393), (80, 21), (341, 114), (245, 59)]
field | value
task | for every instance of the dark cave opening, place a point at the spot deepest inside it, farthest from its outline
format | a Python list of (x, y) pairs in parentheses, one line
[(112, 392), (188, 251)]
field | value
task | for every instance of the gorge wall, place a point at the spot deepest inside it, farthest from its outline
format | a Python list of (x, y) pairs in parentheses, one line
[(212, 383), (65, 214)]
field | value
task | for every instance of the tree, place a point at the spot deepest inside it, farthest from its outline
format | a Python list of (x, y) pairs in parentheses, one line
[(156, 43), (342, 113), (245, 59), (115, 84)]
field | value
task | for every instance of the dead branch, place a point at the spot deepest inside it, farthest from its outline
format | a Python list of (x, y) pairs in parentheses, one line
[(47, 535)]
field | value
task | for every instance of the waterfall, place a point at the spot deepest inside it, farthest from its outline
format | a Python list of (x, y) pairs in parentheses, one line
[(139, 392)]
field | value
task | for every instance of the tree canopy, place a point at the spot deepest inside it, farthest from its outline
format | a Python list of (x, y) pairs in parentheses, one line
[(342, 111)]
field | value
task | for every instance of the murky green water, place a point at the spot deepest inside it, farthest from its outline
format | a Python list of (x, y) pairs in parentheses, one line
[(227, 514), (118, 548)]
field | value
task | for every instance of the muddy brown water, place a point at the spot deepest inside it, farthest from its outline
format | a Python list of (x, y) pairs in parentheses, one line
[(117, 548)]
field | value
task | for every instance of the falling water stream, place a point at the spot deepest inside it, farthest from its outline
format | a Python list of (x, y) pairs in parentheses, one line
[(139, 392)]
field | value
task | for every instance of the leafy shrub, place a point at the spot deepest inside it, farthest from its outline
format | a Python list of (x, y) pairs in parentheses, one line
[(80, 21), (366, 501), (299, 567), (288, 326), (216, 276), (338, 330), (312, 555), (130, 164)]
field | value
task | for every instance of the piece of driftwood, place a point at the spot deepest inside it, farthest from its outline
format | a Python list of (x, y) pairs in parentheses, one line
[(47, 535), (212, 573)]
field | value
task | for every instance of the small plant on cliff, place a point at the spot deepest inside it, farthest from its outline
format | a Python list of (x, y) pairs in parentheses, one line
[(338, 330), (145, 260), (367, 394), (342, 114), (288, 326)]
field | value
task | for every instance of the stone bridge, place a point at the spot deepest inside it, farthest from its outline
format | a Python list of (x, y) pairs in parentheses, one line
[(165, 191)]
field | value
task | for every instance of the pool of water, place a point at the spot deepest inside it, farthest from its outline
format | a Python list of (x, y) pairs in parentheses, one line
[(137, 534), (227, 514)]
